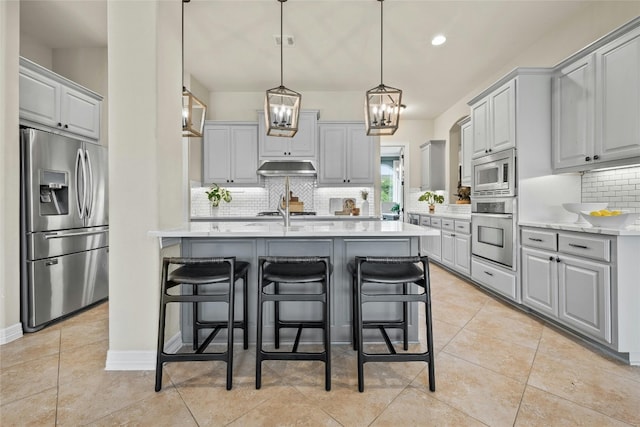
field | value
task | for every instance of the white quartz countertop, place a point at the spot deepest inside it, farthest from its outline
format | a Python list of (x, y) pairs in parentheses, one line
[(259, 229), (294, 218), (465, 216), (632, 230)]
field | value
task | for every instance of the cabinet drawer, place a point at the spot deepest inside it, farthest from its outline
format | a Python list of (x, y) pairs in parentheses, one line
[(540, 239), (463, 227), (436, 222), (588, 247), (425, 221), (448, 224), (495, 279)]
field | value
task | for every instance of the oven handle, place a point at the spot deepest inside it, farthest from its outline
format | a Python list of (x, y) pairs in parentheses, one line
[(490, 215)]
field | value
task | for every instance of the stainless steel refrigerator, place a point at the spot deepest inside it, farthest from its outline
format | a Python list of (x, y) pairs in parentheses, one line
[(64, 226)]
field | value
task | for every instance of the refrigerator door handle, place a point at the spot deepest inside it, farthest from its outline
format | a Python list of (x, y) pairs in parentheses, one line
[(80, 163), (59, 235), (89, 189)]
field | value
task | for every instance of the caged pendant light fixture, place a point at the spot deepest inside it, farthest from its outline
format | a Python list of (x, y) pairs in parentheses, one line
[(382, 103), (193, 110), (281, 105)]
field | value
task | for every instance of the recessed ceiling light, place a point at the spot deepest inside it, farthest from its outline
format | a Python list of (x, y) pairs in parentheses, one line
[(438, 40)]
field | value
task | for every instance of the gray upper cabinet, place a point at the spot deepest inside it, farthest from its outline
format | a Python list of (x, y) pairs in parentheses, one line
[(59, 104), (347, 154), (493, 121), (433, 165), (466, 141), (303, 146), (230, 153), (596, 104)]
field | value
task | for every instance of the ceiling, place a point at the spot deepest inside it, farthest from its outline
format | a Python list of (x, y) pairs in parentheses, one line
[(229, 44)]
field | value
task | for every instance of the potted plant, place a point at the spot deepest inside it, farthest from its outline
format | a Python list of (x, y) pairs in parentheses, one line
[(217, 194), (432, 199)]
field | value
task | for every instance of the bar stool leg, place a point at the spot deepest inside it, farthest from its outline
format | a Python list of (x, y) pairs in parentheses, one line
[(405, 318), (354, 328), (327, 334), (276, 316), (360, 333), (161, 326), (245, 311), (259, 332), (231, 303), (195, 318)]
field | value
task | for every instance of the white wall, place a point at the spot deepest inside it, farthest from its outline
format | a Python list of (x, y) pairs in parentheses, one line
[(35, 51), (144, 154), (9, 173)]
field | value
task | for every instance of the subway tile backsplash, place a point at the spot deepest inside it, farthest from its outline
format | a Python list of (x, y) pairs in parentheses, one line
[(620, 188), (250, 201)]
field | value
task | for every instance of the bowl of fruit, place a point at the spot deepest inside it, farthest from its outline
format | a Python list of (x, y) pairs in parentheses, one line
[(576, 208), (606, 218)]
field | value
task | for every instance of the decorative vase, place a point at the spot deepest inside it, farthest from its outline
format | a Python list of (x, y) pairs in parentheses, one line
[(213, 210), (364, 211), (432, 208)]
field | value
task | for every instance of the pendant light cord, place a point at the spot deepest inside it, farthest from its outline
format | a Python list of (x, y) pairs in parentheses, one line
[(381, 39), (281, 44), (183, 88)]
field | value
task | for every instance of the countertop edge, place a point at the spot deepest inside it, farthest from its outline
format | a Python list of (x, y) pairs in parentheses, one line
[(629, 231)]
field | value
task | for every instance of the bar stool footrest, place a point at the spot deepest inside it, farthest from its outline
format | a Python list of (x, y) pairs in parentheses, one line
[(407, 357), (274, 355)]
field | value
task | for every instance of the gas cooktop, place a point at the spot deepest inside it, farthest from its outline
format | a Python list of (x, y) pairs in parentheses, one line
[(276, 213)]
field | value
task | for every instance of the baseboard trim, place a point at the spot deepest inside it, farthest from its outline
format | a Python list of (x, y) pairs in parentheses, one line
[(11, 333), (139, 360)]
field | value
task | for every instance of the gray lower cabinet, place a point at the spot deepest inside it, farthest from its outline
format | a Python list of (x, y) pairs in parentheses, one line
[(230, 153), (432, 245), (456, 245), (574, 290), (341, 251)]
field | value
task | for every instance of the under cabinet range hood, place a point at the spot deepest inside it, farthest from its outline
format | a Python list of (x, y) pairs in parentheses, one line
[(287, 168)]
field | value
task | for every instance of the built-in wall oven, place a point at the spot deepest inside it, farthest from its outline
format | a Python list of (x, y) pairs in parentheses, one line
[(493, 230), (494, 175)]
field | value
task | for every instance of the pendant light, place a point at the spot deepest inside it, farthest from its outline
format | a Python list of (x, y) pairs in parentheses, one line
[(193, 110), (382, 103), (281, 105)]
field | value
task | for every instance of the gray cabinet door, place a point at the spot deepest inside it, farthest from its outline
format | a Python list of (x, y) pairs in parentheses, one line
[(573, 114), (216, 155), (585, 296), (503, 117), (244, 154), (360, 156), (462, 248), (448, 250), (333, 161), (540, 281), (480, 126), (618, 98)]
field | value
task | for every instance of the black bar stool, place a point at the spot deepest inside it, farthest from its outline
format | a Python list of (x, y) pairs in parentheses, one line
[(282, 271), (216, 278), (390, 271)]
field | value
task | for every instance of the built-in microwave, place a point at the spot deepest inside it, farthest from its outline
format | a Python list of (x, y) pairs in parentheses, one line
[(494, 175)]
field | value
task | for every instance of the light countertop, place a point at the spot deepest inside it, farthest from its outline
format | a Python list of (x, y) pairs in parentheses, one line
[(464, 216), (258, 229), (632, 230), (294, 218)]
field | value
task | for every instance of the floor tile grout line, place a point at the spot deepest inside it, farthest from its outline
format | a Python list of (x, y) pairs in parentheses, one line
[(526, 384)]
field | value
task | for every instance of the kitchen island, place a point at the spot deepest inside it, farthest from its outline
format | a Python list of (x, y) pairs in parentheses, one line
[(341, 240)]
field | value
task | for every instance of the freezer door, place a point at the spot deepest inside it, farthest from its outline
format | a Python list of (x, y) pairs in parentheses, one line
[(62, 285), (52, 174), (62, 242), (97, 198)]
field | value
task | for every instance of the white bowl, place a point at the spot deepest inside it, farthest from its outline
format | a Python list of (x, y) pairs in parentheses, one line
[(619, 221), (576, 208)]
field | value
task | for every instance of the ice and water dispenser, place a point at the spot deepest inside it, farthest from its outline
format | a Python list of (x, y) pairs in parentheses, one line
[(54, 193)]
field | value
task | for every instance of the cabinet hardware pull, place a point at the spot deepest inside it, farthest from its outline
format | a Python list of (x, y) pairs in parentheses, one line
[(66, 126), (59, 124), (578, 246), (535, 240), (588, 159), (489, 274), (557, 259), (453, 234), (550, 258), (596, 157)]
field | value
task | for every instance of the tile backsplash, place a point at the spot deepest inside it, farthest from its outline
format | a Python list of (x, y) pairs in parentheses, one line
[(618, 187), (250, 201)]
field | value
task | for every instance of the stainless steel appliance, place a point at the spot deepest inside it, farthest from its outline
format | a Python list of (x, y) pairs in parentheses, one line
[(493, 230), (494, 175), (64, 226)]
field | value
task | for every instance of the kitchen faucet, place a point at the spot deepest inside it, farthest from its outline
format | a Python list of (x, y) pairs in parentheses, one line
[(285, 212)]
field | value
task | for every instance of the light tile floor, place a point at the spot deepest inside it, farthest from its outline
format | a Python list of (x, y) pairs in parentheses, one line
[(494, 366)]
